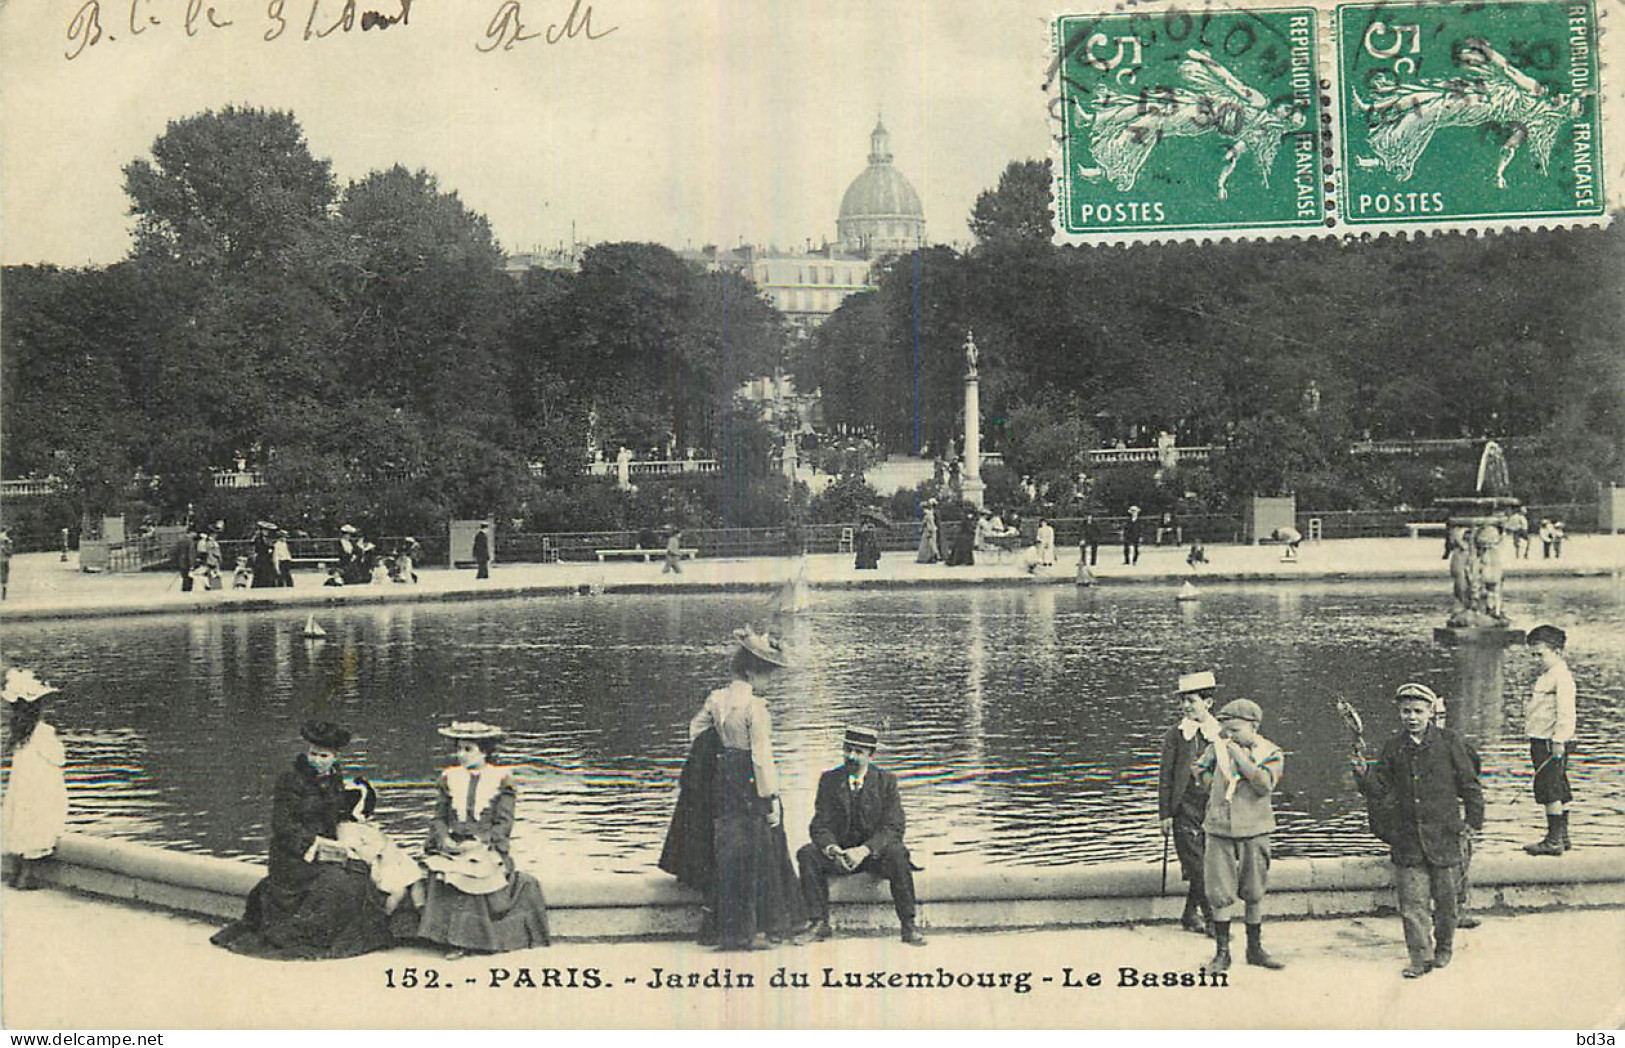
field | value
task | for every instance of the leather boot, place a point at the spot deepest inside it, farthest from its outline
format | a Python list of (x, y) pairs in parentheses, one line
[(1191, 919), (1563, 829), (1221, 950), (912, 934), (1552, 843), (1256, 955)]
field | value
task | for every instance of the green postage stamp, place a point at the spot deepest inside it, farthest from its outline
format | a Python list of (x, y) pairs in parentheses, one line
[(1455, 111), (1336, 118), (1179, 120)]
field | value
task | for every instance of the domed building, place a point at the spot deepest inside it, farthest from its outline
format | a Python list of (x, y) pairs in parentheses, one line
[(880, 211)]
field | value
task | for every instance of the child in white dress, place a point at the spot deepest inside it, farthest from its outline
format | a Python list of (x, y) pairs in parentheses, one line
[(35, 808)]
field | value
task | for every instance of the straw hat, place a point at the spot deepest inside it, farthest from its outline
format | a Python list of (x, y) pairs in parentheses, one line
[(867, 738), (471, 730), (479, 872), (22, 686), (764, 646), (1203, 681)]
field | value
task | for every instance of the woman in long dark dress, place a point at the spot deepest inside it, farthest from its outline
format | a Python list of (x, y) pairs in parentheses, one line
[(318, 901), (477, 901), (964, 547), (752, 885)]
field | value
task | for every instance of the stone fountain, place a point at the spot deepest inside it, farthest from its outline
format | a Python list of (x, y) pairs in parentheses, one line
[(1476, 529)]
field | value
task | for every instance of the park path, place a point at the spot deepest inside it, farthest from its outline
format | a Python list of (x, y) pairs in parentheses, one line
[(43, 586)]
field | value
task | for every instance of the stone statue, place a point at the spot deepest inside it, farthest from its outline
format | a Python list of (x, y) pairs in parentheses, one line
[(1475, 574), (970, 354)]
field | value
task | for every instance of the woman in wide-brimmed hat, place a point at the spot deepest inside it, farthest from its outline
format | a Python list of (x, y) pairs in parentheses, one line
[(477, 901), (727, 834), (317, 901), (36, 804)]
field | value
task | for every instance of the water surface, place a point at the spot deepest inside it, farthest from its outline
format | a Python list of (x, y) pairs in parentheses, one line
[(1024, 722)]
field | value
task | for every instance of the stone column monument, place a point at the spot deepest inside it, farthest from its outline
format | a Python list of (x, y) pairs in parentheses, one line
[(972, 485)]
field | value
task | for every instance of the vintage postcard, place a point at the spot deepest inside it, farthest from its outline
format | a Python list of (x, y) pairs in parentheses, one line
[(738, 514)]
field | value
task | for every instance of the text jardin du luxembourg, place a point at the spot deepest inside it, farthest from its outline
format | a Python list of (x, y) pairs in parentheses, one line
[(931, 979)]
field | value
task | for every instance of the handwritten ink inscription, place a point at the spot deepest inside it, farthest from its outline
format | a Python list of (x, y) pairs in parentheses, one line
[(507, 28), (97, 23)]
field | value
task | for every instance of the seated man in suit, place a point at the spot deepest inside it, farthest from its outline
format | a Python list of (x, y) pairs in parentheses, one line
[(857, 827)]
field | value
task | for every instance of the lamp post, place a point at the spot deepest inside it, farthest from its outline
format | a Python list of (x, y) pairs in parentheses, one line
[(972, 485)]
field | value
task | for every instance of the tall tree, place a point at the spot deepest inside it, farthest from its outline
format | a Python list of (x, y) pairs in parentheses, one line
[(1018, 211), (229, 189)]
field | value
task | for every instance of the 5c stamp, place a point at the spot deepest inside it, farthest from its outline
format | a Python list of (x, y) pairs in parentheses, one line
[(1183, 120), (1455, 111)]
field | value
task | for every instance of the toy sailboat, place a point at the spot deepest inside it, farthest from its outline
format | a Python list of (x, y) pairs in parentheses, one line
[(1187, 592), (312, 631)]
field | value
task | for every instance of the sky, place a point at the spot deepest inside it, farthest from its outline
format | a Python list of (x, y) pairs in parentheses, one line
[(685, 122)]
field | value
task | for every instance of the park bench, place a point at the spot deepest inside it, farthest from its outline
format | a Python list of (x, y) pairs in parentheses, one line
[(1425, 527), (646, 555)]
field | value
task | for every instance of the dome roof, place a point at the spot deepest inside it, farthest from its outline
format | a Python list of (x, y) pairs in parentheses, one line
[(881, 190)]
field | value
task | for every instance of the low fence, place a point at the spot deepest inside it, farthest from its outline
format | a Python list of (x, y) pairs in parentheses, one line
[(157, 551)]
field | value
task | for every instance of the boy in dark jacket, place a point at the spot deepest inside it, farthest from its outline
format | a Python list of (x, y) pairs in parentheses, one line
[(1181, 803), (1424, 778)]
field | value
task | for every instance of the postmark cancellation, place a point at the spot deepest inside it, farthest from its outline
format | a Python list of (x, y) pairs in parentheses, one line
[(1326, 120)]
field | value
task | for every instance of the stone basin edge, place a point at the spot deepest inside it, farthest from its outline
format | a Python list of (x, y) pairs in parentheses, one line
[(315, 598), (653, 905)]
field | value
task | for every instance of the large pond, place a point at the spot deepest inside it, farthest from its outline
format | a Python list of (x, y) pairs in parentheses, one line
[(1023, 721)]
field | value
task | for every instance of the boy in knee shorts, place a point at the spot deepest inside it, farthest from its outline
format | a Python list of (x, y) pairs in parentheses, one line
[(1240, 771)]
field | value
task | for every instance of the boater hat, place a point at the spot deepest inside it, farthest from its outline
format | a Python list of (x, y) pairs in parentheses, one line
[(326, 734), (1242, 709), (471, 730), (867, 738), (23, 686), (1203, 681)]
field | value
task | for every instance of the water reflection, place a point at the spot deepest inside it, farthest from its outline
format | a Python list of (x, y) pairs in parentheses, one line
[(1023, 722)]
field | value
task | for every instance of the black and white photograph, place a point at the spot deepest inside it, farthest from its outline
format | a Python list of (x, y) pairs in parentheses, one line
[(739, 514)]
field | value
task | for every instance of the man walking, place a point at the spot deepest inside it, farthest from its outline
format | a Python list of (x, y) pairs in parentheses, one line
[(1181, 803), (1133, 532), (857, 827), (1423, 779)]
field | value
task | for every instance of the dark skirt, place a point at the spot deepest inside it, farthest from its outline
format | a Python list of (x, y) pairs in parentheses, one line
[(756, 889), (337, 914), (963, 551), (513, 918), (688, 854)]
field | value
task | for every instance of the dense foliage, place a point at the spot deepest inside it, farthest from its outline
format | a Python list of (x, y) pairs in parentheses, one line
[(1285, 350), (363, 347)]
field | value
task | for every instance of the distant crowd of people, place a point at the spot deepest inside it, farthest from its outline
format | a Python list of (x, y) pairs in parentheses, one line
[(269, 562)]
